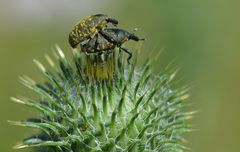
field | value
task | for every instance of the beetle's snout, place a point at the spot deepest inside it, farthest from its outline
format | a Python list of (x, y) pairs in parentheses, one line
[(113, 21), (135, 38)]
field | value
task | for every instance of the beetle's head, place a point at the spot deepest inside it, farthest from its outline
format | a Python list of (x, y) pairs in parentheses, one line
[(112, 20), (135, 38)]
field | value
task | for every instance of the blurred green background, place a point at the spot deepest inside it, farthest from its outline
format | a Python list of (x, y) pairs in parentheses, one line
[(202, 35)]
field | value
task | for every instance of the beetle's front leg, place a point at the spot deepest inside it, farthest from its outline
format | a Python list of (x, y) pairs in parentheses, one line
[(108, 37), (96, 42), (128, 52)]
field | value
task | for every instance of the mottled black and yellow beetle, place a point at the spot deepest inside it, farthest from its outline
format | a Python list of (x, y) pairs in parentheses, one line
[(87, 27), (107, 40)]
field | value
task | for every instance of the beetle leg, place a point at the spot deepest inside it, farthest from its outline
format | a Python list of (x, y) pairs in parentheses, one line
[(128, 52), (83, 48), (108, 37), (90, 46), (96, 42), (113, 21)]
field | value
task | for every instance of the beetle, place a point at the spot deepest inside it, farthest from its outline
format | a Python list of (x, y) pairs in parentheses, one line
[(107, 40), (88, 27)]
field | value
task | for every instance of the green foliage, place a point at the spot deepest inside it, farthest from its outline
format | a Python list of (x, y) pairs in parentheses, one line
[(135, 111)]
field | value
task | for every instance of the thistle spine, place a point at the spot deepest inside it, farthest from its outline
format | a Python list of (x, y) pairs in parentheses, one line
[(135, 111)]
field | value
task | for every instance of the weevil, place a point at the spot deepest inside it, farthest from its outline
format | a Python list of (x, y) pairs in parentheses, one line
[(88, 27), (107, 40)]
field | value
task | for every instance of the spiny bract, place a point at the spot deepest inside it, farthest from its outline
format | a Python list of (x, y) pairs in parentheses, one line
[(135, 111)]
